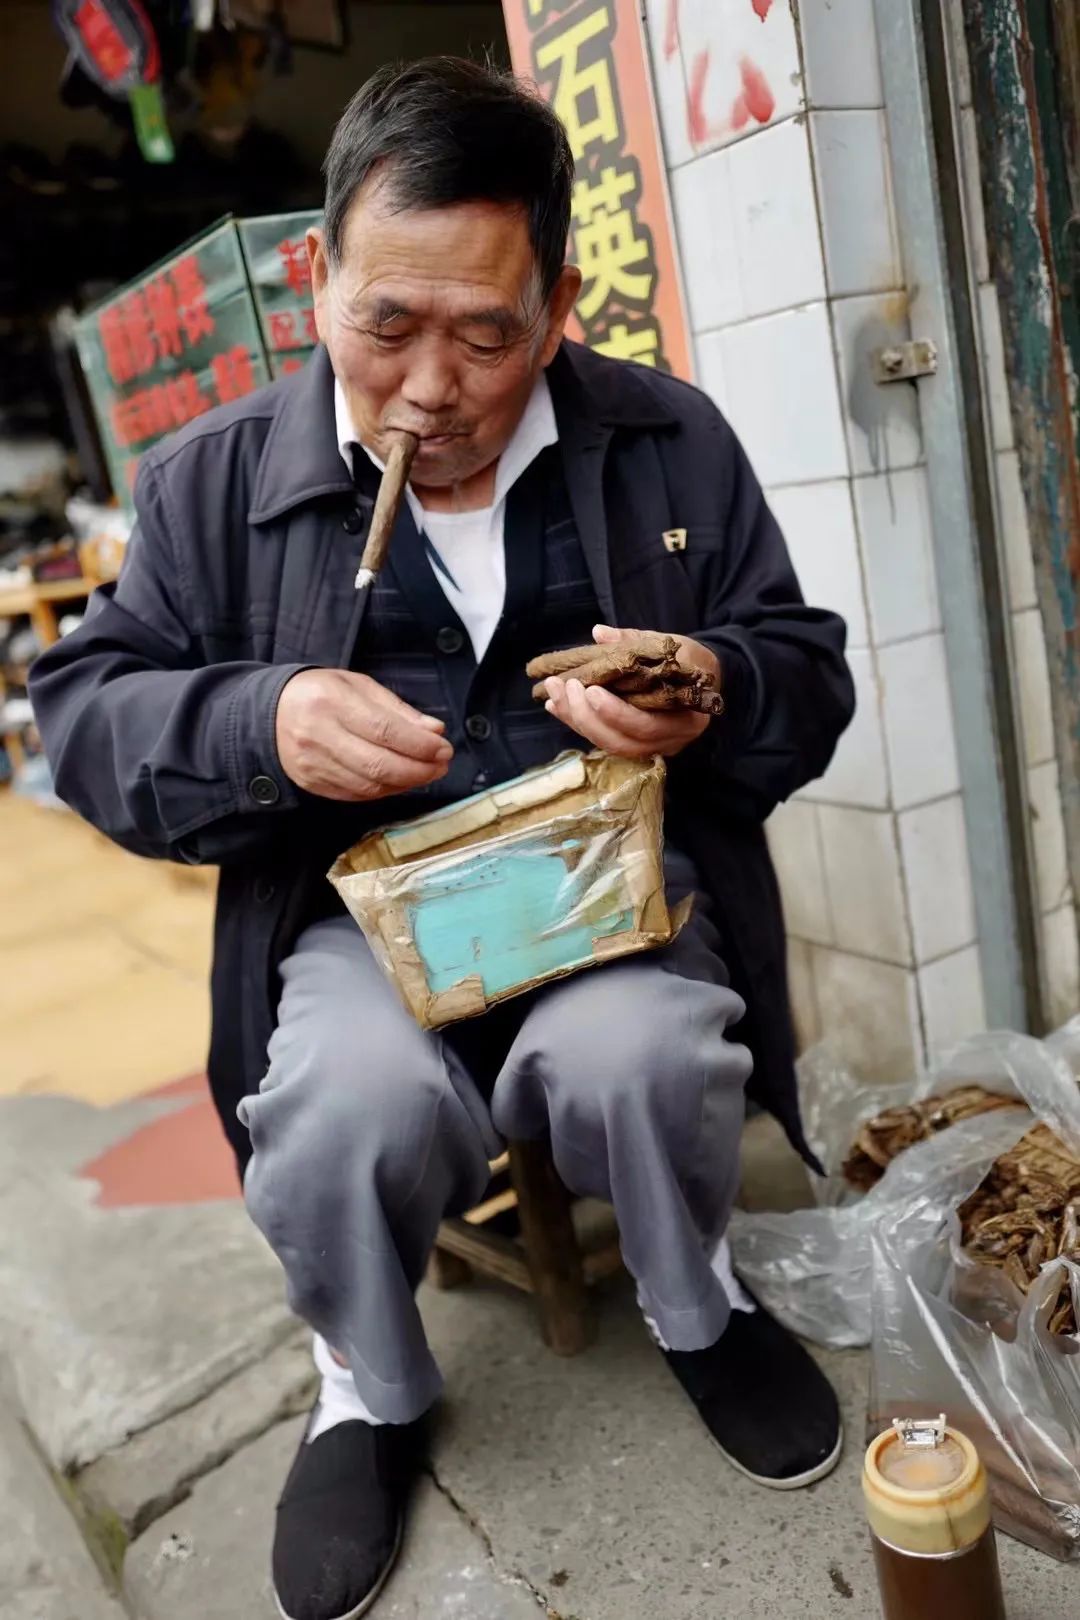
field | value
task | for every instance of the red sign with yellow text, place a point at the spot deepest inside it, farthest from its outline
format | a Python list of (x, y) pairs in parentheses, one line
[(588, 57)]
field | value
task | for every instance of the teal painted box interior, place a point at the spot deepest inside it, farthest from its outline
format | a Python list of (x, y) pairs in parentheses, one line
[(555, 871)]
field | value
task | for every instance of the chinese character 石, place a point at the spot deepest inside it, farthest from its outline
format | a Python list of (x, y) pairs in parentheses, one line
[(234, 374), (311, 326), (190, 289), (607, 242), (641, 343), (297, 269), (164, 312), (584, 96), (283, 330), (140, 335), (285, 367), (186, 399), (112, 329)]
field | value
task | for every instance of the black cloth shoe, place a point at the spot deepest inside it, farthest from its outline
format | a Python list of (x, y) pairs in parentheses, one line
[(764, 1400), (341, 1516)]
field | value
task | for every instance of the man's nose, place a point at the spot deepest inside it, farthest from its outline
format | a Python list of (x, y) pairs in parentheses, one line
[(430, 383)]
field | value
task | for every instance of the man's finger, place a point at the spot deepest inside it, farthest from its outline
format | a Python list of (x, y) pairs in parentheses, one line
[(390, 700), (368, 766), (397, 729)]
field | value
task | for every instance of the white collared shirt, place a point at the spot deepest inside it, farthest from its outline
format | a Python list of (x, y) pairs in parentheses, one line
[(466, 549)]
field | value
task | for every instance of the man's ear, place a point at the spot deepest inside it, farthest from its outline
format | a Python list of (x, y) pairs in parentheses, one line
[(319, 263), (560, 304)]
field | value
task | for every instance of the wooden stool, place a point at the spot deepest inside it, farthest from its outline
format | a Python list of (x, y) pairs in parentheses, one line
[(547, 1261)]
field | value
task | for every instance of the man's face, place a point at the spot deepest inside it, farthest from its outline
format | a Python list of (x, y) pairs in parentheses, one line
[(435, 324)]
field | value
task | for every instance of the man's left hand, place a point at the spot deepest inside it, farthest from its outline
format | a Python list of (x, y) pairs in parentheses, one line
[(610, 723)]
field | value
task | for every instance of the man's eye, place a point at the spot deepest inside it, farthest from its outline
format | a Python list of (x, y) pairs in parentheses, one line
[(387, 340), (485, 348)]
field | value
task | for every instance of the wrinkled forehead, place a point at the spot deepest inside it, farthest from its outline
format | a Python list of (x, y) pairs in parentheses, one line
[(449, 255)]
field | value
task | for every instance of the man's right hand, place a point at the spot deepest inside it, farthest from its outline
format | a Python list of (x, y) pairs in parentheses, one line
[(343, 736)]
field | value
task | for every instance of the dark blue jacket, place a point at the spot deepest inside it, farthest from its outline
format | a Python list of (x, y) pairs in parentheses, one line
[(158, 712)]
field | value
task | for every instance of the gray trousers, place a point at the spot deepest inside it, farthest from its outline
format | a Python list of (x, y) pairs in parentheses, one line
[(367, 1130)]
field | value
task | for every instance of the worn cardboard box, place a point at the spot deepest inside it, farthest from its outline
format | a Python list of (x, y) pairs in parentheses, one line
[(557, 870)]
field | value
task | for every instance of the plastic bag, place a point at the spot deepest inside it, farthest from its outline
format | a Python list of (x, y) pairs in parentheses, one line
[(948, 1333)]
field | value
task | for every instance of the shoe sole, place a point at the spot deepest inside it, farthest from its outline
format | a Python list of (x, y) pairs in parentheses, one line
[(373, 1596), (797, 1481)]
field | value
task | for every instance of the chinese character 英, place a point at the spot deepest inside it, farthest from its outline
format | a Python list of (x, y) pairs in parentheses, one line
[(234, 374), (285, 367), (640, 343), (190, 289), (283, 330), (607, 242), (297, 269), (584, 95), (164, 312)]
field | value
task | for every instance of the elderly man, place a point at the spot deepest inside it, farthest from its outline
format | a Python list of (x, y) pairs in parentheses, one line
[(233, 701)]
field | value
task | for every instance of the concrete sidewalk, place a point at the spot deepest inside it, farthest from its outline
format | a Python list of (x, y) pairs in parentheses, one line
[(150, 1354)]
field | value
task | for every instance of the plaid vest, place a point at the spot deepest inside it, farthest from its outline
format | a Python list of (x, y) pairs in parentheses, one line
[(412, 641)]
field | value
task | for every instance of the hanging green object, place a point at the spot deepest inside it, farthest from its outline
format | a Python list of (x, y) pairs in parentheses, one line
[(151, 126)]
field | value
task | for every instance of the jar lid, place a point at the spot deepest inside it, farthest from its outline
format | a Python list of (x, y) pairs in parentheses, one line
[(925, 1488)]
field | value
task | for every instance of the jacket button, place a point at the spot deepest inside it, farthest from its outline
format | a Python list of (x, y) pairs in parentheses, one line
[(480, 781), (353, 521), (264, 790), (449, 640), (478, 727), (264, 890)]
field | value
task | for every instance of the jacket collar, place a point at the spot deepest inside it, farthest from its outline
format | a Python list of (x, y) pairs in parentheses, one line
[(300, 459)]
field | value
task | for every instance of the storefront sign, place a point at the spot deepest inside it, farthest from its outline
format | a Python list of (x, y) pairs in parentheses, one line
[(589, 59), (277, 260), (172, 345)]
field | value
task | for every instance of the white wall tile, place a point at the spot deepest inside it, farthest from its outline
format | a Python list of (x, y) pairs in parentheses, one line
[(1033, 686), (881, 419), (862, 871), (896, 531), (741, 64), (851, 156), (1015, 533), (709, 357), (918, 721), (1048, 836), (1061, 966), (869, 1013), (937, 869), (669, 79), (776, 221), (858, 775), (785, 404), (795, 846), (802, 994), (992, 345), (702, 206), (974, 214), (951, 992), (819, 529), (840, 50)]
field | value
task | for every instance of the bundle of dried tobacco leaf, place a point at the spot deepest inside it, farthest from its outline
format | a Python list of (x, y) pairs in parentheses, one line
[(644, 671)]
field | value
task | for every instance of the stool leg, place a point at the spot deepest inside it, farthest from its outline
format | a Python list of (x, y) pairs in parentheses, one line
[(551, 1247), (446, 1270)]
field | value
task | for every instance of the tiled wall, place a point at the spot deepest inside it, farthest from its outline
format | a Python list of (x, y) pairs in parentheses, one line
[(1060, 965), (780, 177)]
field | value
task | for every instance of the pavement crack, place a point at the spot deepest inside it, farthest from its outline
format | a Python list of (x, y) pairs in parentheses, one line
[(512, 1576)]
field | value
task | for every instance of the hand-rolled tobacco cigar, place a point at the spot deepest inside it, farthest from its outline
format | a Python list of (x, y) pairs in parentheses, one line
[(387, 505), (644, 671)]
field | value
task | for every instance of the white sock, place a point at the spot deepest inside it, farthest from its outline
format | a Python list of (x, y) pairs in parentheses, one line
[(338, 1399), (738, 1298)]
